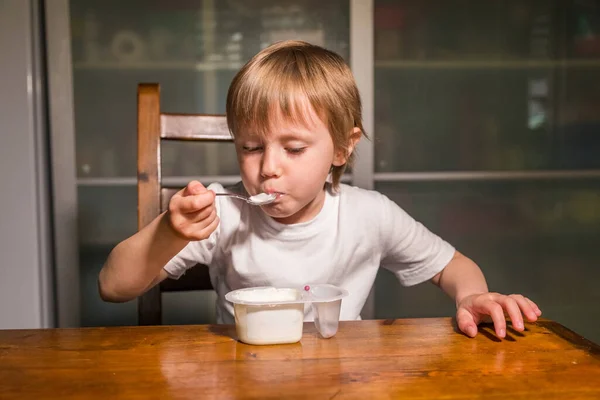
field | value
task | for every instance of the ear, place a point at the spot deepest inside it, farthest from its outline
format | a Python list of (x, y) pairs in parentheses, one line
[(341, 155)]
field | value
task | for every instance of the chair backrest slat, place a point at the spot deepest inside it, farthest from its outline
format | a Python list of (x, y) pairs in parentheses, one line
[(194, 127)]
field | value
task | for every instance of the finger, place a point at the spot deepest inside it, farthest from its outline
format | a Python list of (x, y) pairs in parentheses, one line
[(209, 218), (205, 231), (195, 230), (195, 203), (495, 311), (514, 312), (192, 188), (536, 309), (197, 218), (526, 306), (203, 214), (211, 227), (466, 323), (197, 223)]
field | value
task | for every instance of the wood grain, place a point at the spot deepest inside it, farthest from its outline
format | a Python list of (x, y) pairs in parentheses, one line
[(408, 359), (203, 127), (148, 184)]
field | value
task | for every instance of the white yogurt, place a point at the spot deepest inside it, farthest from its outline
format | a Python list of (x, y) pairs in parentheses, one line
[(260, 318), (263, 198), (265, 295)]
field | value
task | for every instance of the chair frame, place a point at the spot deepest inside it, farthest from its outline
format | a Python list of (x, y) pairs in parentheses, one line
[(153, 128)]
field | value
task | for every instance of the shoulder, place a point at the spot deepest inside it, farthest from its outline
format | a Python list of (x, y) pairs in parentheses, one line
[(371, 207), (356, 196)]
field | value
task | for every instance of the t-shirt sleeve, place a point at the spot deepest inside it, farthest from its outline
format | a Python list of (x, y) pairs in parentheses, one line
[(196, 252), (411, 251)]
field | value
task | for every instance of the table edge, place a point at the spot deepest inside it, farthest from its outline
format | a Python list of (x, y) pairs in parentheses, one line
[(572, 337)]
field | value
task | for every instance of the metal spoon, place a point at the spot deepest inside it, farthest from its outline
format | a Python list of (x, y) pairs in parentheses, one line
[(256, 200)]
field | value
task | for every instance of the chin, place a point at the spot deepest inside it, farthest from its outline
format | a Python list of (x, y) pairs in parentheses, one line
[(275, 212)]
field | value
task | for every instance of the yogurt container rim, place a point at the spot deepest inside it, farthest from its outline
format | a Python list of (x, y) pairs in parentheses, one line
[(306, 296)]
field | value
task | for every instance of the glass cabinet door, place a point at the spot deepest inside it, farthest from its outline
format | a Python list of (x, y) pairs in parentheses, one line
[(192, 48), (487, 129)]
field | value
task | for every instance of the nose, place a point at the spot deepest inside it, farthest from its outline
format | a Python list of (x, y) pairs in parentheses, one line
[(271, 164)]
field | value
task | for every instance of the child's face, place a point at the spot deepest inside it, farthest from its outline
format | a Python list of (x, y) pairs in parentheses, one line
[(293, 160)]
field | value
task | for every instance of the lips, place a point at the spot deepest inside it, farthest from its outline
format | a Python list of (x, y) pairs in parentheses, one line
[(272, 191), (269, 191)]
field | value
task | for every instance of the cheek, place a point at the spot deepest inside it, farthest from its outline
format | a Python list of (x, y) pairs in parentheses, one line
[(314, 171), (250, 176), (247, 165)]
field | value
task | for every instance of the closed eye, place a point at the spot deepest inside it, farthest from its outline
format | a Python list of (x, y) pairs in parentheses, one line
[(296, 150), (252, 149)]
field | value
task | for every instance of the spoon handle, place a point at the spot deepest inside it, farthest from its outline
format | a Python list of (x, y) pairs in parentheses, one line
[(237, 196)]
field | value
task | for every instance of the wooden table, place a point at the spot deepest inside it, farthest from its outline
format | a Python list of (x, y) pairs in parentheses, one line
[(413, 358)]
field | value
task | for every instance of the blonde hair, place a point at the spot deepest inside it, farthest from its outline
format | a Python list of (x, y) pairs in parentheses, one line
[(286, 74)]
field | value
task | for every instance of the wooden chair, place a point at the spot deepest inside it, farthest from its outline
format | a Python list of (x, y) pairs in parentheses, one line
[(155, 127)]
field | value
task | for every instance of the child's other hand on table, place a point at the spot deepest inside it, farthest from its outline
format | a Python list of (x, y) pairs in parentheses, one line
[(477, 308)]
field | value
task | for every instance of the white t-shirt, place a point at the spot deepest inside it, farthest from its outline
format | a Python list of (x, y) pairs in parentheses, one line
[(355, 233)]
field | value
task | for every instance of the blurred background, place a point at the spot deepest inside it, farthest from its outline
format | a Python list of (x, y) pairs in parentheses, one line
[(484, 119)]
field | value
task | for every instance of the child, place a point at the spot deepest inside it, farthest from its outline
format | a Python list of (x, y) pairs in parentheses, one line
[(295, 114)]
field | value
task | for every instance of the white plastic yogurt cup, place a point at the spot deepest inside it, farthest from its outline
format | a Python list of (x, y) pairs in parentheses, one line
[(268, 315)]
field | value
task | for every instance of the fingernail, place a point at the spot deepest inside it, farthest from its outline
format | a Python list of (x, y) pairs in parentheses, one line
[(502, 332), (519, 325)]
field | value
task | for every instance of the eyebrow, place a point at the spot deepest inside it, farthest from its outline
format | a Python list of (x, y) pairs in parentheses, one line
[(286, 136), (289, 136)]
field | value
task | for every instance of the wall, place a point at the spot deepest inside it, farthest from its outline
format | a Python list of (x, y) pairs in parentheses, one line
[(26, 299)]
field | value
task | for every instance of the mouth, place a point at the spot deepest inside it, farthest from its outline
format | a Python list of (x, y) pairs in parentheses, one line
[(276, 193)]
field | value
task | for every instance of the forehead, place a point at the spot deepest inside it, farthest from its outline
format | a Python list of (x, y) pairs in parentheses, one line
[(297, 119)]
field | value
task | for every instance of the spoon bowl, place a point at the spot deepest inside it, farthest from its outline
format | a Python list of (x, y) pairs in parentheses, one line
[(260, 199)]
